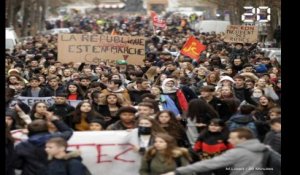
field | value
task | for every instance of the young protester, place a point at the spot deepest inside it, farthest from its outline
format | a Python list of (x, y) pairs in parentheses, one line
[(173, 127), (61, 161), (127, 119), (163, 156)]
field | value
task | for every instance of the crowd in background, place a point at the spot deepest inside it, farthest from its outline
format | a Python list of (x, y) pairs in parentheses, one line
[(190, 105)]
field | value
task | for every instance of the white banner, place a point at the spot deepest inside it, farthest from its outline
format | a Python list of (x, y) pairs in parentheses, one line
[(48, 100), (104, 152)]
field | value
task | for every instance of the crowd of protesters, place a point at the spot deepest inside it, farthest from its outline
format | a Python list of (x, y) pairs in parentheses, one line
[(183, 108)]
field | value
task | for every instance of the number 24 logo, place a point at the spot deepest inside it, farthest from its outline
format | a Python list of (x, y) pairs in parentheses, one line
[(259, 13)]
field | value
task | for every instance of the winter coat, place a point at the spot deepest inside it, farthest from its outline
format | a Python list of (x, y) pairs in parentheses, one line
[(9, 155), (70, 164), (64, 111), (244, 155), (210, 144), (240, 120), (188, 93), (117, 126), (31, 157), (104, 111), (221, 107), (274, 140), (239, 93), (60, 89), (121, 91), (158, 164), (261, 122), (44, 92), (181, 138), (135, 95)]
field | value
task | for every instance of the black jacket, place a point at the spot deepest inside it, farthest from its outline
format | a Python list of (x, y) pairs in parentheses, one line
[(64, 111), (70, 165), (274, 140), (221, 107), (135, 95), (9, 154), (240, 93), (117, 126), (104, 111), (31, 157), (60, 89), (181, 137), (44, 92), (188, 93), (261, 123)]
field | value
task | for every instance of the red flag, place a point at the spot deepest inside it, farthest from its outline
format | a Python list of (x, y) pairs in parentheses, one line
[(192, 48), (158, 22)]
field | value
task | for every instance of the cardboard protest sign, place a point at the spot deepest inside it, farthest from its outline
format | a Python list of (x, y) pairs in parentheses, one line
[(158, 22), (241, 34), (94, 48), (107, 152), (192, 48)]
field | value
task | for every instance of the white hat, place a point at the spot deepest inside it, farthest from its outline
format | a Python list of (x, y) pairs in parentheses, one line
[(225, 78)]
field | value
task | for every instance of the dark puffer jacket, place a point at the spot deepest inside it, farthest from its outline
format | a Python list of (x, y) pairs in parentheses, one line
[(240, 120), (70, 164)]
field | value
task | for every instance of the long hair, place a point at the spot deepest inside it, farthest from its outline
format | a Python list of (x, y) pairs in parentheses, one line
[(89, 116), (208, 80), (9, 95), (14, 75), (270, 105), (151, 73), (155, 104), (120, 101), (232, 95), (174, 127), (158, 82), (219, 122), (198, 109), (79, 90), (169, 152), (155, 128), (33, 110)]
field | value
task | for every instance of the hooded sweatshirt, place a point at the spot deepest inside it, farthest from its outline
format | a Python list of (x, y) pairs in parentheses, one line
[(244, 155)]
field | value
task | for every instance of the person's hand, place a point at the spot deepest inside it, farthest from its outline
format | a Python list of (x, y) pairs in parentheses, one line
[(107, 118), (25, 131), (17, 108), (136, 148), (169, 173), (49, 115), (200, 125), (178, 117), (163, 68)]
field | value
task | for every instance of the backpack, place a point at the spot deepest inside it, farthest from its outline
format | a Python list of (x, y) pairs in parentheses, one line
[(271, 160), (86, 171), (177, 160)]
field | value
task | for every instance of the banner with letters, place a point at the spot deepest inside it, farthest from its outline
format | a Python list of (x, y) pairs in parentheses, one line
[(103, 152), (48, 100)]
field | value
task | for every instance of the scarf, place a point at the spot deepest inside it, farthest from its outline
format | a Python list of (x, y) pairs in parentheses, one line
[(169, 90)]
